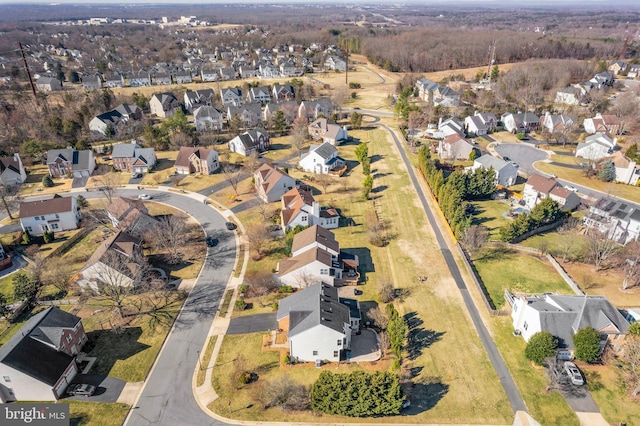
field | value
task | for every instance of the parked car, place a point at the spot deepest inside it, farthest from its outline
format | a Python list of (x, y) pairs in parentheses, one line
[(230, 226), (505, 158), (574, 373), (136, 175), (81, 390), (211, 242), (571, 188), (144, 197)]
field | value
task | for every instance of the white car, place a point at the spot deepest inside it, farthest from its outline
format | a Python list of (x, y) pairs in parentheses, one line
[(571, 188), (574, 373), (144, 197)]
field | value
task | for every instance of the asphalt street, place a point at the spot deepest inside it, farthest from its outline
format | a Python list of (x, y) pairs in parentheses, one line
[(517, 404), (522, 154)]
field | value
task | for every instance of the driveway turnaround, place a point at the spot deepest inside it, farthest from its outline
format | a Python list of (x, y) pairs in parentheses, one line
[(364, 346), (253, 324), (523, 155), (494, 356), (108, 389)]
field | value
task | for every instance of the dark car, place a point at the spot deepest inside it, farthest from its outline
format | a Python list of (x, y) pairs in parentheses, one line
[(230, 226), (81, 390), (211, 242), (506, 158)]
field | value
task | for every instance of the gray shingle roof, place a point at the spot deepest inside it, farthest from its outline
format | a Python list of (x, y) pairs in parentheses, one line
[(326, 150), (488, 161)]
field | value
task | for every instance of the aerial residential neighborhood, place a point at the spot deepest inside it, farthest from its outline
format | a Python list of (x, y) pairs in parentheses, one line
[(320, 213)]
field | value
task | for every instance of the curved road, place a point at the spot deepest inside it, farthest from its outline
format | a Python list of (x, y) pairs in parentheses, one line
[(517, 404), (167, 398)]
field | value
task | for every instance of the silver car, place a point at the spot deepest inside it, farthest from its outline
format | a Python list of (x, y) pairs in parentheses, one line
[(574, 373)]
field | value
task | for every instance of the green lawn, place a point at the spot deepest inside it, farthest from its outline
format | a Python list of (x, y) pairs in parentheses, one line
[(204, 360), (94, 414), (6, 287), (615, 404), (502, 269), (489, 213)]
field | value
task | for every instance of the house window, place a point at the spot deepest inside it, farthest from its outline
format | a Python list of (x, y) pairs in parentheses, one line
[(525, 325), (7, 379), (37, 217), (41, 217), (69, 338), (54, 226), (57, 216), (324, 272), (304, 218), (29, 229), (339, 342), (315, 353), (335, 354)]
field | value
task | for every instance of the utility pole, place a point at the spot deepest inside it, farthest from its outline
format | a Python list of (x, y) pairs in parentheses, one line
[(26, 68), (346, 74)]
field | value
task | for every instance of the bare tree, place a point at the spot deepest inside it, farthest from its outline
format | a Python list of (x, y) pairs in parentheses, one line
[(232, 174), (258, 237), (387, 293), (264, 209), (299, 133), (324, 180), (251, 163), (475, 237), (179, 139), (169, 236), (107, 184), (9, 197), (379, 318), (286, 393), (630, 264), (57, 274), (631, 364), (600, 247), (385, 343)]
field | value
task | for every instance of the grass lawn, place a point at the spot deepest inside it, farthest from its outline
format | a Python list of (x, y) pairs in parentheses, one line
[(516, 271), (7, 330), (204, 360), (6, 287), (489, 214), (615, 404), (549, 408), (94, 414), (33, 184), (577, 176), (82, 250)]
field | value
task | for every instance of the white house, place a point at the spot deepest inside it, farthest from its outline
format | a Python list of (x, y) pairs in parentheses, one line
[(55, 214), (196, 160), (564, 316), (48, 84), (299, 208), (335, 63), (520, 122), (618, 220), (627, 171), (164, 104), (12, 171), (259, 95), (207, 118), (454, 147), (196, 98), (314, 109), (321, 159), (569, 96), (318, 323), (596, 146), (506, 173), (39, 361), (450, 126), (250, 115), (558, 122), (539, 187), (232, 96), (250, 141), (272, 183), (327, 131), (607, 123)]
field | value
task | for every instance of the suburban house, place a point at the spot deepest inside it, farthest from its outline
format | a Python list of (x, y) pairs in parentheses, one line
[(5, 259), (162, 79), (288, 108), (426, 89), (480, 123), (539, 187), (318, 323), (183, 77), (196, 160), (617, 66), (272, 183), (596, 146), (569, 95), (322, 107), (48, 84), (197, 98), (327, 131), (563, 316), (208, 74), (289, 69), (558, 122), (250, 115), (607, 123), (114, 119), (506, 172), (132, 158), (252, 140), (283, 92), (450, 126), (335, 63), (616, 219), (207, 118), (232, 96), (140, 79), (55, 214), (91, 82), (130, 215), (12, 171), (520, 122), (114, 263), (634, 71), (69, 161), (446, 97), (627, 171), (316, 256), (299, 208), (164, 105), (113, 80), (268, 70), (259, 95), (321, 159), (227, 73), (247, 71), (455, 147), (603, 79), (39, 361)]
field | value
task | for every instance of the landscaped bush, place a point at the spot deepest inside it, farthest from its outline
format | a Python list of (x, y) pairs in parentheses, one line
[(358, 394), (587, 343), (241, 304), (47, 182), (540, 346), (546, 212), (48, 237), (243, 288), (285, 289)]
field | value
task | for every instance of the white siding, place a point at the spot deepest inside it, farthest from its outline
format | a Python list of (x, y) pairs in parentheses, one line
[(319, 338), (24, 387)]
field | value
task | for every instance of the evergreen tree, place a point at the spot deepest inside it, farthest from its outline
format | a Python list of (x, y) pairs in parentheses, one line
[(607, 171)]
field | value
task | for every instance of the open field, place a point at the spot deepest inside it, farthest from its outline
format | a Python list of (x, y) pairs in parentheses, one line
[(489, 213), (433, 309), (502, 270)]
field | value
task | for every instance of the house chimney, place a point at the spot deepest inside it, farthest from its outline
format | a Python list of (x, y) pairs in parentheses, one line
[(16, 157)]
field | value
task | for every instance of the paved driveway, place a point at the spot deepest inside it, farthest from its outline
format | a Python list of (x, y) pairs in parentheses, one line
[(253, 324), (108, 389), (524, 155), (79, 182), (364, 347)]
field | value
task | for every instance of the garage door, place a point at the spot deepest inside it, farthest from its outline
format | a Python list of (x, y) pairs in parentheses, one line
[(58, 390), (85, 173), (77, 174)]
